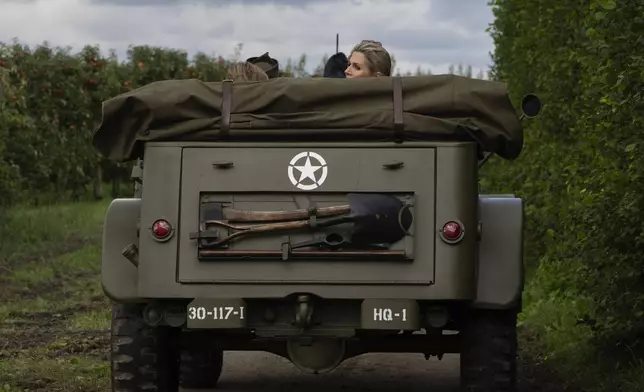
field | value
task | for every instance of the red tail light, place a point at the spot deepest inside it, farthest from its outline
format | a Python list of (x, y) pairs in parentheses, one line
[(161, 229), (452, 232)]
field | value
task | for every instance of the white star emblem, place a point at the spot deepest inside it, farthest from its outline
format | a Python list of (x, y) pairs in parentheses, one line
[(307, 171)]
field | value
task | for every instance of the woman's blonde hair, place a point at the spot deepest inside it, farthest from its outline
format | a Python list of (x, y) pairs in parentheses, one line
[(244, 71), (377, 58)]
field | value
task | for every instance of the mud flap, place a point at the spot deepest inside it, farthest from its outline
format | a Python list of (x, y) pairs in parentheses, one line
[(500, 275), (118, 275)]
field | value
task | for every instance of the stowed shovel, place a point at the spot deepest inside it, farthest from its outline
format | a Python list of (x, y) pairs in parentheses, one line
[(376, 218), (234, 215)]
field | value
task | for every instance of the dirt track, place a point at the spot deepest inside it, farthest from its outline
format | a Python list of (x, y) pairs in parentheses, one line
[(259, 372)]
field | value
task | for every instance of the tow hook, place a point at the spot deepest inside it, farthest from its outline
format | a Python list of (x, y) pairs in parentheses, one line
[(303, 311)]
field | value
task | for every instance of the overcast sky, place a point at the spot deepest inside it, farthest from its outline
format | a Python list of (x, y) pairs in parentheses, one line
[(427, 33)]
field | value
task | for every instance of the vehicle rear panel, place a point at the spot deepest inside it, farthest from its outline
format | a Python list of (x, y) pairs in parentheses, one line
[(199, 179)]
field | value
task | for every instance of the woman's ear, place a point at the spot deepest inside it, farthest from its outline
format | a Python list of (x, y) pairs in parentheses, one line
[(378, 74)]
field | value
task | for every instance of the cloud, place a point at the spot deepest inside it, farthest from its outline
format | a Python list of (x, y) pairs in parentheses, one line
[(427, 33), (290, 3)]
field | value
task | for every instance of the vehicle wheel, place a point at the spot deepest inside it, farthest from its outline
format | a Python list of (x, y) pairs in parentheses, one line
[(489, 351), (200, 367), (143, 358)]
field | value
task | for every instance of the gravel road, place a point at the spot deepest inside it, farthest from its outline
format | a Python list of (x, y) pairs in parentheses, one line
[(262, 372)]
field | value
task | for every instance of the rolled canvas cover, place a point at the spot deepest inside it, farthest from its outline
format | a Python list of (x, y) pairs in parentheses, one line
[(436, 107)]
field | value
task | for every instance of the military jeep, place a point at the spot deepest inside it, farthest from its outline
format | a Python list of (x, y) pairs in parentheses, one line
[(316, 219)]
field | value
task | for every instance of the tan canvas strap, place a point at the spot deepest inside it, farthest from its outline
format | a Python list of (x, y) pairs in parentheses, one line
[(226, 105), (399, 125)]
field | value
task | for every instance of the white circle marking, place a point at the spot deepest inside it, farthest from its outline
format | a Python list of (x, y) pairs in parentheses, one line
[(308, 171)]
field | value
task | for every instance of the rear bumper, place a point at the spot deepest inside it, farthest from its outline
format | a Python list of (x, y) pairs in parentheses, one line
[(304, 315)]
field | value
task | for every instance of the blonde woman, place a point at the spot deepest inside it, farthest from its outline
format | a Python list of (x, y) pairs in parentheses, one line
[(368, 59), (245, 71)]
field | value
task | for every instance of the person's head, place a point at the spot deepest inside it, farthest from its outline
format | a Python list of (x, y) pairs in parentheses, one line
[(368, 59), (268, 64), (244, 71), (336, 65)]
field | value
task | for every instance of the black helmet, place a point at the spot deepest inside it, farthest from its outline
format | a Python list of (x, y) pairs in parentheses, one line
[(335, 66)]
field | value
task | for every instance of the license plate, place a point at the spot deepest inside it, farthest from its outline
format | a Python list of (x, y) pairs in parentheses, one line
[(390, 314), (216, 313)]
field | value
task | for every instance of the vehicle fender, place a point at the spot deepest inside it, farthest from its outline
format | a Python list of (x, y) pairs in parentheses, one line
[(500, 269), (118, 275)]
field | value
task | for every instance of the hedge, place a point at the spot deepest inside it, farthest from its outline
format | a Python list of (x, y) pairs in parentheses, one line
[(581, 170)]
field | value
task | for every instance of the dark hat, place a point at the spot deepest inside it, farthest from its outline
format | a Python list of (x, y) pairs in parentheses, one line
[(267, 64), (335, 66)]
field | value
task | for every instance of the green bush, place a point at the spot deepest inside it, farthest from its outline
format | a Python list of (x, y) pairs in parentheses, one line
[(582, 164)]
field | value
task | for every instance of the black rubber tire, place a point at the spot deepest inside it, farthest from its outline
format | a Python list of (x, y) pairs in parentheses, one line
[(143, 358), (489, 351), (201, 367)]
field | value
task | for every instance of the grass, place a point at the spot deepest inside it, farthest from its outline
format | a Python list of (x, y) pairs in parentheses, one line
[(28, 234), (70, 281), (551, 335), (54, 317), (69, 374), (94, 319)]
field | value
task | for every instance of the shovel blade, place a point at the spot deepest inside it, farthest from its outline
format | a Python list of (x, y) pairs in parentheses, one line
[(378, 218)]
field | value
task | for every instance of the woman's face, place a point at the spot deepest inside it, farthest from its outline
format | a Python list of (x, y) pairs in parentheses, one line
[(357, 67)]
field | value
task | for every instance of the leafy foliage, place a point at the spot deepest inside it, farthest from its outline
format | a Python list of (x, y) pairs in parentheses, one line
[(52, 104), (581, 171)]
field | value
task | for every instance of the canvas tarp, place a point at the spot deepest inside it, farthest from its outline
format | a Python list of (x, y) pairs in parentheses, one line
[(437, 107)]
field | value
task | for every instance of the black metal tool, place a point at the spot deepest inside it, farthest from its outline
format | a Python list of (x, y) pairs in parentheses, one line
[(334, 241)]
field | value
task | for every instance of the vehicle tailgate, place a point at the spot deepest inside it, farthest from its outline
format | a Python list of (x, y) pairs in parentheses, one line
[(266, 179)]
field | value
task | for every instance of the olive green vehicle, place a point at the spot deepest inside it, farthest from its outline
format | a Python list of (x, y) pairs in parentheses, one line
[(317, 219)]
